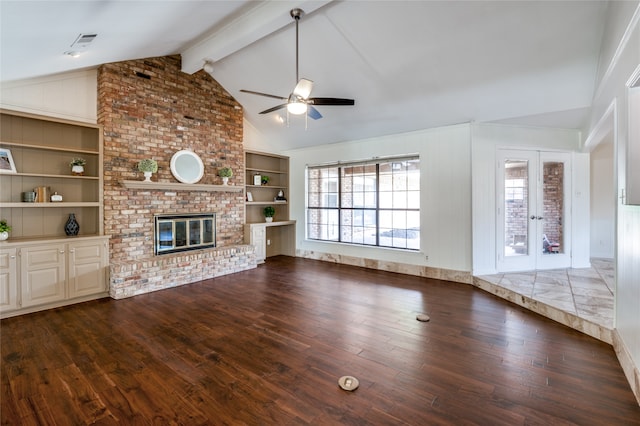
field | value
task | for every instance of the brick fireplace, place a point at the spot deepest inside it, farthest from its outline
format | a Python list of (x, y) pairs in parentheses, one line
[(151, 109)]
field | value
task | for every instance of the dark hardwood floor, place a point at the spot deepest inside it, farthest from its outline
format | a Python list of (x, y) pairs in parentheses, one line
[(267, 346)]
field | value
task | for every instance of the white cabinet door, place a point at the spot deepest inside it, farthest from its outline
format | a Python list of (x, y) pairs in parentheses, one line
[(259, 237), (256, 235), (87, 263), (8, 280), (43, 274)]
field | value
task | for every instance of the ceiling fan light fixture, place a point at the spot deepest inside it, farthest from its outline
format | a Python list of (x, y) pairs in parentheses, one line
[(297, 108)]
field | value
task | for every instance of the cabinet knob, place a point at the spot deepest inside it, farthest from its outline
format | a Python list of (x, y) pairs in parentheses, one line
[(13, 256), (61, 251)]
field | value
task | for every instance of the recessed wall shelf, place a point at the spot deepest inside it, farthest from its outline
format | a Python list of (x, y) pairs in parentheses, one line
[(175, 186), (269, 238), (51, 205), (49, 175)]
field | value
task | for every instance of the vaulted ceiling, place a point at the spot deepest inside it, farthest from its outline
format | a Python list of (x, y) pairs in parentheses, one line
[(409, 65)]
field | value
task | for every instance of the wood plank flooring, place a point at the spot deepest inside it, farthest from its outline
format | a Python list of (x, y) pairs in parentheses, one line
[(267, 346)]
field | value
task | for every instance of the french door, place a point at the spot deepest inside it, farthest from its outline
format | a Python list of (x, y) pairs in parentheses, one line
[(533, 210)]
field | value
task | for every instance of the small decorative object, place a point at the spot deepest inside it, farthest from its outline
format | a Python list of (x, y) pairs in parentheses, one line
[(348, 383), (249, 196), (29, 196), (77, 166), (72, 227), (4, 230), (269, 212), (148, 166), (225, 173), (42, 194), (187, 166), (257, 180), (264, 179), (6, 162), (280, 197), (56, 198)]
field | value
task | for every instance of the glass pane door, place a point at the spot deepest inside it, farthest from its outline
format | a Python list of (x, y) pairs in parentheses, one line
[(516, 207), (553, 206), (533, 195), (516, 196), (553, 213)]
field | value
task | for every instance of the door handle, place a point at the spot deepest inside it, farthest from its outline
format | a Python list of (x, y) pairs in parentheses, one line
[(540, 218), (532, 217)]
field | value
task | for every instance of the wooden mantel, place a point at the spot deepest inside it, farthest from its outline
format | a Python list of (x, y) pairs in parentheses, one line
[(174, 186)]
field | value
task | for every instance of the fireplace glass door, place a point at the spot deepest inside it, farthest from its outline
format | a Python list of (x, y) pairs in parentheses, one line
[(175, 233)]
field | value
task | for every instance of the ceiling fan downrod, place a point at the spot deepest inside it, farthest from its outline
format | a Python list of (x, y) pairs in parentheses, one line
[(297, 14)]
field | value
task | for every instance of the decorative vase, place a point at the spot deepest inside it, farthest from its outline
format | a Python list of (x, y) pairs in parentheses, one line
[(147, 176), (268, 219), (4, 235), (225, 181), (77, 170), (72, 227)]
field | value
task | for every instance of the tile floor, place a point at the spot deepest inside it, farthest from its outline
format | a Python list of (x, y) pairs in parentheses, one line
[(584, 294)]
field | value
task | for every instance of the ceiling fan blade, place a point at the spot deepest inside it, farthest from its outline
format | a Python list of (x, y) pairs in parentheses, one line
[(263, 94), (303, 88), (313, 113), (330, 101), (275, 108)]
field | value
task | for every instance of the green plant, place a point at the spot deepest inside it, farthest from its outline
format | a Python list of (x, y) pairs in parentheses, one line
[(269, 211), (77, 161), (264, 179), (225, 172), (4, 227), (148, 165)]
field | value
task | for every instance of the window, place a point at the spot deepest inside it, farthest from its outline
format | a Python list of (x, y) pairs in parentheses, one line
[(375, 203), (514, 190)]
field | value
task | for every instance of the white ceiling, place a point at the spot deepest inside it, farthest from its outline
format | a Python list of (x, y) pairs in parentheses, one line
[(409, 65)]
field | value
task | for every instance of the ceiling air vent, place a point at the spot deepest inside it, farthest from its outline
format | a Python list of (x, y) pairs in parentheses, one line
[(83, 40)]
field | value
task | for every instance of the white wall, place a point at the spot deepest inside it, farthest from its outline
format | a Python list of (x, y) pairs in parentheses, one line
[(445, 205), (72, 96), (621, 59), (486, 140), (253, 140), (603, 199)]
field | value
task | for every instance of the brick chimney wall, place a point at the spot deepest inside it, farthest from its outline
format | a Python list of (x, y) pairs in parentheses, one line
[(151, 109)]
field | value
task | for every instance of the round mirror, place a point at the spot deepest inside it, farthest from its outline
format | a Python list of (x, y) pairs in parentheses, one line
[(186, 166)]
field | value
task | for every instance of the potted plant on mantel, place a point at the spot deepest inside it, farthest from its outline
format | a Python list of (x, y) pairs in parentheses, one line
[(148, 166), (4, 230), (269, 212), (77, 166), (225, 173)]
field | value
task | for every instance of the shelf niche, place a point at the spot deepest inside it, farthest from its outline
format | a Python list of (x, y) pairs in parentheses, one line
[(42, 148), (277, 168)]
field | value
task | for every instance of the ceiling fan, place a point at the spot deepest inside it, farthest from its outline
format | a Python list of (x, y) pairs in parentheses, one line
[(299, 101)]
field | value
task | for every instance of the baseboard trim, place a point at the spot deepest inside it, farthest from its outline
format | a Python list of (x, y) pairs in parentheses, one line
[(626, 362), (463, 277)]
